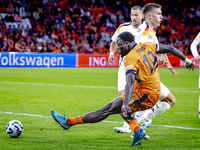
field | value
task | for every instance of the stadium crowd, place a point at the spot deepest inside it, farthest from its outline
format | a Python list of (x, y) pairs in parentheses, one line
[(86, 26)]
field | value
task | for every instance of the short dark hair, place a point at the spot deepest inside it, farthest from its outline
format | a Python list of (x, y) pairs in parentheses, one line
[(137, 8), (127, 36), (149, 7)]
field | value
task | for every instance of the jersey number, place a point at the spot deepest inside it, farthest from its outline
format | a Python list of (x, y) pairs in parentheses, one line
[(146, 59)]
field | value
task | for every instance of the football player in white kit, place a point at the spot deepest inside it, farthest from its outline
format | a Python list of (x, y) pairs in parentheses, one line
[(143, 33), (196, 55)]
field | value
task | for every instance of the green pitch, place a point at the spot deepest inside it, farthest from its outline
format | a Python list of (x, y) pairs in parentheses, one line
[(28, 95)]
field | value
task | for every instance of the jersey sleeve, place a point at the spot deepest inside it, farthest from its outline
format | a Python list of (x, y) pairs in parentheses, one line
[(131, 64), (194, 45), (115, 35)]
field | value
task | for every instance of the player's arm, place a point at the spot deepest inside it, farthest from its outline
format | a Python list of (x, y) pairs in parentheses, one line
[(163, 49), (113, 47), (193, 48), (163, 59), (130, 79)]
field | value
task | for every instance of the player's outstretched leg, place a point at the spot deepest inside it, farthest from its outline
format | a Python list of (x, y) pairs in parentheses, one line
[(62, 120), (114, 107)]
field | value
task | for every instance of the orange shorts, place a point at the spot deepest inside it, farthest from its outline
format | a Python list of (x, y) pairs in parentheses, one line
[(142, 101)]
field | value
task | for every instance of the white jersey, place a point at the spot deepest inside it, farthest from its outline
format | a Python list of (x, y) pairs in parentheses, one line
[(146, 33), (123, 28), (194, 45)]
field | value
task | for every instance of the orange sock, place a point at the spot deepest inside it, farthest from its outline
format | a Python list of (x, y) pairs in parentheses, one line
[(74, 121), (134, 125)]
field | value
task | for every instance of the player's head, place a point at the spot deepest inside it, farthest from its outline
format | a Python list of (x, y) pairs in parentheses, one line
[(153, 14), (136, 16), (125, 42)]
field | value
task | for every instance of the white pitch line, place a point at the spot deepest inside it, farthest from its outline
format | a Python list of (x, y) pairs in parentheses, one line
[(185, 91), (177, 127), (193, 88), (174, 89), (23, 114), (85, 86)]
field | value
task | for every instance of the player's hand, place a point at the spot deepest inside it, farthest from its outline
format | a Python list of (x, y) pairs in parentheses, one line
[(198, 59), (110, 60), (192, 66), (161, 61), (188, 64), (126, 111), (173, 71)]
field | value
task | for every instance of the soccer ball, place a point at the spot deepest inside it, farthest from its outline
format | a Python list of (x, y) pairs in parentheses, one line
[(14, 128)]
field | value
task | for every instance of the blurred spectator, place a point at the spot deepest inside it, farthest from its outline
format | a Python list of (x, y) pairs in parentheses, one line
[(45, 37), (87, 27), (198, 12), (22, 12)]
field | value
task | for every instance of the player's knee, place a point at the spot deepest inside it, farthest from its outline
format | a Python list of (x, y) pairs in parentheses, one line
[(113, 107), (173, 101), (106, 108), (170, 99)]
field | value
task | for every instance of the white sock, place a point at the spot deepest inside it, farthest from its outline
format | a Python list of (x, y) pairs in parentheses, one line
[(126, 125), (157, 109), (138, 114)]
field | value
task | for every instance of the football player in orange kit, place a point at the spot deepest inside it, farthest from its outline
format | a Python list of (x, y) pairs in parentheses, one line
[(142, 89)]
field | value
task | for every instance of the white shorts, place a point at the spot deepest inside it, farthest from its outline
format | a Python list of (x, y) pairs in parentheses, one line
[(122, 81), (164, 91), (121, 75)]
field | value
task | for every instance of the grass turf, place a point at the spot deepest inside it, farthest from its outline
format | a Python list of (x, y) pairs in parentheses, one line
[(80, 90)]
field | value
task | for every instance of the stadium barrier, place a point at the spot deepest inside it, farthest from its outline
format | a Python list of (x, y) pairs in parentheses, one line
[(15, 59), (96, 60)]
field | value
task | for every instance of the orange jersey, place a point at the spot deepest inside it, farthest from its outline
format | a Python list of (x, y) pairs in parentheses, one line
[(142, 61)]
